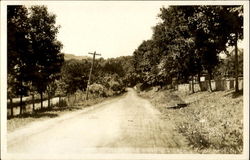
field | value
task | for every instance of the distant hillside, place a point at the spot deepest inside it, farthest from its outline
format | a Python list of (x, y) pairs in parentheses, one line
[(72, 56)]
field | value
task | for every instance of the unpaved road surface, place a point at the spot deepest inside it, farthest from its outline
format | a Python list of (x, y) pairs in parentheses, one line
[(128, 124)]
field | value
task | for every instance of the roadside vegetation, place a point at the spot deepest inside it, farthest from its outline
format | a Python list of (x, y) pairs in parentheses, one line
[(37, 68), (211, 122), (38, 71), (186, 44)]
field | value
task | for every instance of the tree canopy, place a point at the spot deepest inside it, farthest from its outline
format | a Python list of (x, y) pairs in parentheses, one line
[(34, 58), (187, 42)]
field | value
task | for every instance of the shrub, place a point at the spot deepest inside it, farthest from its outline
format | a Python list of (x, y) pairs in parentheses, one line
[(116, 85), (98, 90)]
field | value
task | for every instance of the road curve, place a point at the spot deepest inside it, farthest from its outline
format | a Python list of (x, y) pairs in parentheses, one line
[(128, 124)]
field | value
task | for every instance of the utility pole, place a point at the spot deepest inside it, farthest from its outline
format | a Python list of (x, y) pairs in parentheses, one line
[(90, 73)]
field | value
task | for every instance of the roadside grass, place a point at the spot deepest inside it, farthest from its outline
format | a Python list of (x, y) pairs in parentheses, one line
[(211, 122), (67, 105)]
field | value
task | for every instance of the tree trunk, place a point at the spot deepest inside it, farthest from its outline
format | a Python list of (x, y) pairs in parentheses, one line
[(75, 99), (192, 84), (41, 95), (21, 96), (11, 107), (33, 103), (68, 98), (48, 101), (236, 65), (21, 104), (59, 103), (209, 82)]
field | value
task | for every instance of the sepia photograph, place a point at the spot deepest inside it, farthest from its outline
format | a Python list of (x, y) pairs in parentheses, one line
[(124, 80)]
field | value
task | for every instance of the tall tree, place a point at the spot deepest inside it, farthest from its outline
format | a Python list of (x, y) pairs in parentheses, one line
[(17, 50), (186, 41), (144, 62), (210, 27), (45, 59), (176, 43)]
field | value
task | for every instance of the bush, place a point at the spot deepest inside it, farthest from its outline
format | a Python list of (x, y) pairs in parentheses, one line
[(142, 87), (98, 90), (116, 85)]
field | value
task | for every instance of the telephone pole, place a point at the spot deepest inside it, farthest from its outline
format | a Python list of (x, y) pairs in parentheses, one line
[(90, 73)]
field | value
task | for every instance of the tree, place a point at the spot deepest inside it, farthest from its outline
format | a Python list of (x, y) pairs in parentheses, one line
[(226, 68), (186, 41), (74, 75), (129, 77), (60, 90), (176, 44), (234, 23), (51, 90), (45, 59), (11, 90), (210, 27), (112, 66), (18, 49), (145, 60)]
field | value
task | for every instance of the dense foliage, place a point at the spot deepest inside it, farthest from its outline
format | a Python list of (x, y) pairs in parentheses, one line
[(36, 64), (34, 58), (110, 76), (187, 42), (226, 66)]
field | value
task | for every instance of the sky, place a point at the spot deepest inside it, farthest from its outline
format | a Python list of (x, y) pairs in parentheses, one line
[(112, 29)]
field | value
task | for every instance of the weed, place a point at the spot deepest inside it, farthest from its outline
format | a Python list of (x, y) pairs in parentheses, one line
[(212, 122)]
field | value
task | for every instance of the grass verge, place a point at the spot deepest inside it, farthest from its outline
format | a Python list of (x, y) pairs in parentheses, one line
[(211, 122)]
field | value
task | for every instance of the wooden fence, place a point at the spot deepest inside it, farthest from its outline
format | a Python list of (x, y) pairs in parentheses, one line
[(217, 85)]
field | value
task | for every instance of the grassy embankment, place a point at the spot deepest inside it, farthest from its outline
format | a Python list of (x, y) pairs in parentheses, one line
[(68, 104), (211, 122)]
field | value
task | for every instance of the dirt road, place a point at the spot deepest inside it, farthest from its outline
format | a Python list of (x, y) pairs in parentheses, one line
[(128, 124)]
